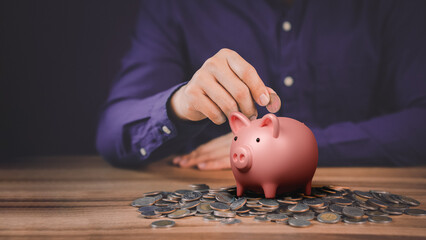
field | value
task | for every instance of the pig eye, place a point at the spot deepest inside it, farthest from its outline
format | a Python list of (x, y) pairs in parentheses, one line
[(235, 138), (257, 139)]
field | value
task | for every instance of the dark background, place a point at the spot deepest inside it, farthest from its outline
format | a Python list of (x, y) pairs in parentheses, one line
[(57, 61)]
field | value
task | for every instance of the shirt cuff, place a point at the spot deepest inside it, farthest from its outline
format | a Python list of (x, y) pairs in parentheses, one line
[(163, 127)]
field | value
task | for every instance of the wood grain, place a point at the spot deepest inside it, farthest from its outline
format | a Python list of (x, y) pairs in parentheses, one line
[(84, 197)]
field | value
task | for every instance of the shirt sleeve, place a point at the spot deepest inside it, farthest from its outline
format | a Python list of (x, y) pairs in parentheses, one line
[(136, 125), (397, 137)]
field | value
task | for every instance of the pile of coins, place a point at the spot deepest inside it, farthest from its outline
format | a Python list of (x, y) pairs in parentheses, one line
[(328, 204)]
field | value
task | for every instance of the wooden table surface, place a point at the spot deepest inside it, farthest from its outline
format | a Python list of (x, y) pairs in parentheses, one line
[(84, 197)]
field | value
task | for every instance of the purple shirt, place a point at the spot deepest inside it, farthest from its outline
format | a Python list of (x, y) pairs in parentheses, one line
[(352, 71)]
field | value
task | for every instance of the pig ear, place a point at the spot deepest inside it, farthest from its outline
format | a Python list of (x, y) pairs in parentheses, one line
[(271, 121), (237, 120)]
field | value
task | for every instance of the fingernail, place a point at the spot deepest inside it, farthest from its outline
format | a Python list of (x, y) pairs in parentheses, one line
[(183, 162), (253, 117), (264, 100), (275, 103), (201, 165)]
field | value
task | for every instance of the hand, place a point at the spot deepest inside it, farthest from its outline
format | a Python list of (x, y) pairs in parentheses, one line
[(213, 155), (224, 84)]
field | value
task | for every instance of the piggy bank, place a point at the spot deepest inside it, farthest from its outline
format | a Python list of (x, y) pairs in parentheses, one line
[(272, 155)]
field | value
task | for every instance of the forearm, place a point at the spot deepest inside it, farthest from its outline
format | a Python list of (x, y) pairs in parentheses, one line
[(395, 139), (133, 132)]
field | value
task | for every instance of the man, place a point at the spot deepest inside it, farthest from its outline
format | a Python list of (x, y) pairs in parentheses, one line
[(352, 71)]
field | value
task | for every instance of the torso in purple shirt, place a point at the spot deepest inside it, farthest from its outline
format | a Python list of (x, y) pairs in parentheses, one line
[(353, 71)]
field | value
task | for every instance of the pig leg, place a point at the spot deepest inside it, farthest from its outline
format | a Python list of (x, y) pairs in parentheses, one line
[(240, 189), (308, 188), (270, 189)]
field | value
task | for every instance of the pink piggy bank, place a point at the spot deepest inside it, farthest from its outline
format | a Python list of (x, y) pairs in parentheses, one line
[(272, 154)]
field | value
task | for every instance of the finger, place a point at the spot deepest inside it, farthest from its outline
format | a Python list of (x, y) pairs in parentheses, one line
[(176, 160), (248, 74), (275, 103), (211, 156), (219, 96), (232, 84), (221, 164), (207, 107)]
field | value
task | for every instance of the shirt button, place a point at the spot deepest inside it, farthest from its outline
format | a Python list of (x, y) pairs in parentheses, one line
[(166, 130), (142, 151), (288, 81), (286, 26)]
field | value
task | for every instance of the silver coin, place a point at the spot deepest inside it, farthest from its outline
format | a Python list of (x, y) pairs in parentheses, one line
[(191, 196), (300, 207), (219, 206), (212, 218), (392, 211), (150, 214), (224, 197), (245, 214), (328, 217), (268, 202), (243, 209), (162, 224), (230, 221), (181, 213), (153, 193), (164, 210), (226, 214), (342, 201), (336, 208), (363, 194), (298, 222), (181, 192), (204, 208), (353, 212), (376, 213), (313, 202), (238, 203), (377, 202), (147, 209), (190, 205), (354, 220), (415, 212), (277, 217), (261, 218), (408, 200), (309, 215), (143, 202), (379, 219)]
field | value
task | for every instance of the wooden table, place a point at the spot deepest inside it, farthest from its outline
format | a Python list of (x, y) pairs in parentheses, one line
[(83, 197)]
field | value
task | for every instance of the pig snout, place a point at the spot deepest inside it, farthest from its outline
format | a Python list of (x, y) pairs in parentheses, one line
[(242, 158)]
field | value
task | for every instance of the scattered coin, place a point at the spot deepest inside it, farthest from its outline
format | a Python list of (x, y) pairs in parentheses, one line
[(230, 221), (379, 219), (328, 217), (353, 212), (191, 196), (415, 212), (294, 209), (309, 215), (219, 206), (226, 214), (354, 220), (143, 202), (238, 203), (179, 213), (294, 222), (300, 207), (162, 224)]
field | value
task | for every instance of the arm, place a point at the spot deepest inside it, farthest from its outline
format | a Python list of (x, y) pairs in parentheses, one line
[(135, 125), (397, 137)]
